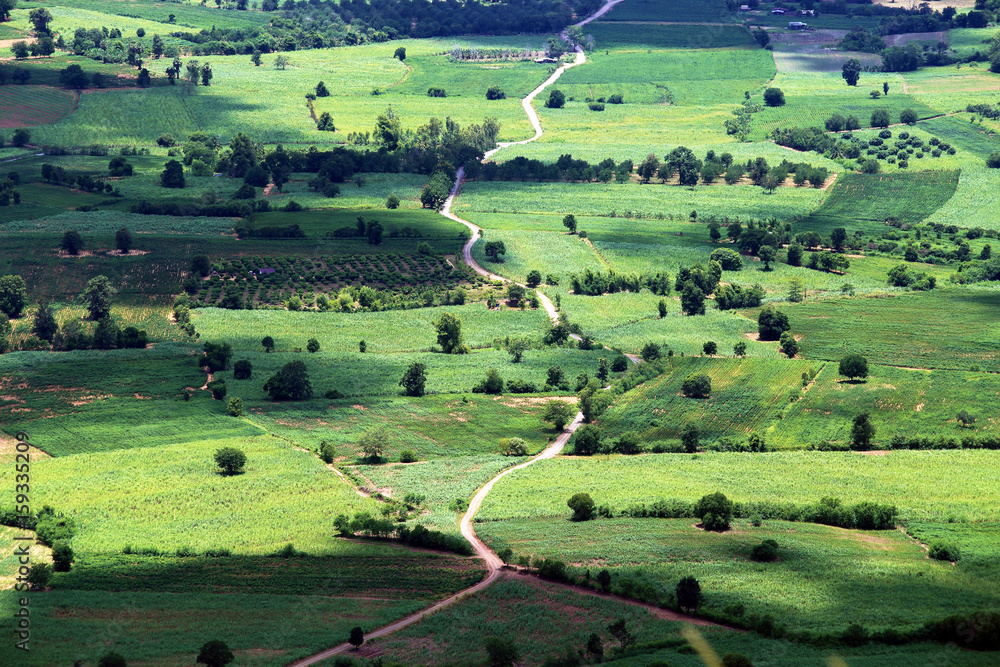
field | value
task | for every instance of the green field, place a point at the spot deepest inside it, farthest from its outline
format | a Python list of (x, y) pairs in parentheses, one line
[(885, 577), (929, 485)]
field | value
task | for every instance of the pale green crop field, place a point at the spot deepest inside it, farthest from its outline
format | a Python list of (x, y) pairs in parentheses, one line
[(922, 484)]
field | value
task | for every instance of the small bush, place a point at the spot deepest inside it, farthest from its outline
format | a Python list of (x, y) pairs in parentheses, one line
[(943, 550), (774, 97), (407, 456), (765, 552)]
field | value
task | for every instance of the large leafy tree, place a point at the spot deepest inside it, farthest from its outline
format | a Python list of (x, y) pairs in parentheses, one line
[(13, 295), (851, 71), (449, 333), (6, 6), (98, 297), (291, 383)]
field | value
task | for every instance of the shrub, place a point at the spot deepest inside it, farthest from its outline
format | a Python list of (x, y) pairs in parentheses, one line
[(62, 556), (943, 550), (715, 511), (112, 660), (235, 407), (513, 447), (771, 324), (596, 106), (312, 345), (582, 505), (774, 97), (231, 460), (436, 92), (327, 452), (697, 385), (392, 202), (492, 384), (495, 93), (853, 366), (39, 575), (218, 389), (242, 370), (688, 593), (765, 552), (993, 161), (407, 456), (908, 116), (556, 99), (587, 440)]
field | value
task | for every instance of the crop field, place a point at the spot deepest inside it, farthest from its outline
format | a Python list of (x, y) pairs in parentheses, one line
[(811, 98), (434, 427), (24, 106), (171, 486), (649, 200), (170, 552), (867, 200), (617, 34), (684, 72), (671, 10), (169, 628), (904, 329), (748, 395), (924, 485), (884, 576)]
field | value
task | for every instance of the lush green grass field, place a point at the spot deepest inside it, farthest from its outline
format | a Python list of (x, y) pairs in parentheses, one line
[(924, 485), (885, 578), (173, 497), (940, 329)]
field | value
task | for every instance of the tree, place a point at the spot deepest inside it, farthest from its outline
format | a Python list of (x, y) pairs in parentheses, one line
[(45, 325), (40, 18), (534, 278), (854, 367), (215, 653), (495, 93), (112, 660), (650, 351), (908, 116), (216, 356), (965, 419), (710, 348), (291, 383), (356, 638), (569, 222), (494, 250), (172, 175), (414, 379), (862, 432), (715, 511), (557, 99), (255, 58), (492, 384), (697, 385), (62, 556), (774, 97), (312, 345), (501, 652), (788, 345), (740, 348), (123, 240), (880, 118), (885, 84), (587, 440), (449, 333), (158, 47), (281, 62), (582, 505), (620, 632), (74, 77), (837, 237), (851, 71), (242, 370), (767, 255), (400, 53), (372, 442), (517, 346), (72, 242), (649, 167), (771, 324), (557, 413), (20, 49), (692, 299), (321, 90), (688, 593), (6, 6), (206, 74), (595, 647), (690, 437), (268, 344), (98, 295), (392, 202), (231, 460), (603, 369), (661, 308), (106, 334), (13, 296)]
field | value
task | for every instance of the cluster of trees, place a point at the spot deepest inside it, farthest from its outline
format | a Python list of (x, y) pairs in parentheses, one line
[(566, 168), (316, 24), (364, 523), (595, 283), (689, 170)]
